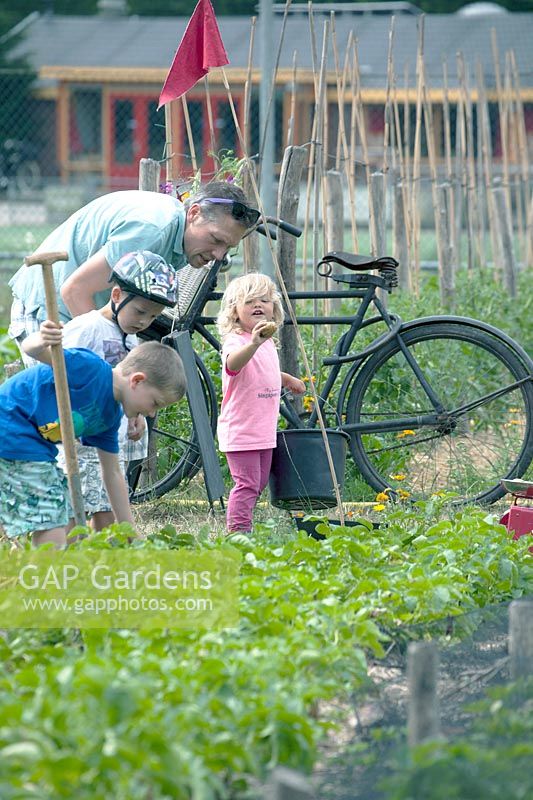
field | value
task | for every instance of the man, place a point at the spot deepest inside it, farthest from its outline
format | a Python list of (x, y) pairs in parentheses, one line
[(209, 224)]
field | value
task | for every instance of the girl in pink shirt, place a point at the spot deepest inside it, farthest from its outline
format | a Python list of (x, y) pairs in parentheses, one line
[(251, 386)]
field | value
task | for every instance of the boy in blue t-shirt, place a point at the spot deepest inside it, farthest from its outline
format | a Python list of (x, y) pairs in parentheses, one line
[(33, 489)]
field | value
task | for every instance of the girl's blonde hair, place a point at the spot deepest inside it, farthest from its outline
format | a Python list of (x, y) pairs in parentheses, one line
[(242, 289)]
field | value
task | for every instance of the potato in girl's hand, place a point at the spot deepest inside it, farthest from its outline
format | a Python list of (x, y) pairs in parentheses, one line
[(269, 329)]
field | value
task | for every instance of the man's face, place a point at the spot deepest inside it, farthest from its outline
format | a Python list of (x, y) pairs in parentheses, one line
[(207, 239)]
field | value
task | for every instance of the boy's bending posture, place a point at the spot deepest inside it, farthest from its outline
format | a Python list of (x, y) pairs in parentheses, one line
[(143, 285), (33, 489)]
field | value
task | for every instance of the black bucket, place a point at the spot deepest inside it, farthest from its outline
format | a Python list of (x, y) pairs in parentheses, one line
[(300, 478)]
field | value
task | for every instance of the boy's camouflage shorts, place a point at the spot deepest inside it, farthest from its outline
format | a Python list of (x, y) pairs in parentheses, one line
[(33, 496)]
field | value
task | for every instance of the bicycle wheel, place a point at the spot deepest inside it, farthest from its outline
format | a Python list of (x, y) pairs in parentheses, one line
[(484, 434), (28, 177), (173, 453)]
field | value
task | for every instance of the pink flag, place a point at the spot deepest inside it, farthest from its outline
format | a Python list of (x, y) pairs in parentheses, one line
[(200, 49)]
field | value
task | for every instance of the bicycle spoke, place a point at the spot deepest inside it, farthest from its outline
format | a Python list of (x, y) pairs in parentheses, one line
[(485, 430)]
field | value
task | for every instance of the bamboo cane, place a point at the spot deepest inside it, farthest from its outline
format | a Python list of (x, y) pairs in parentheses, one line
[(415, 194), (248, 86), (449, 164), (273, 82), (190, 137), (168, 154), (292, 115), (279, 276), (341, 138), (212, 136), (486, 158)]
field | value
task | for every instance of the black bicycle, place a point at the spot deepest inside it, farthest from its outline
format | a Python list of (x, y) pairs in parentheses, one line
[(440, 404)]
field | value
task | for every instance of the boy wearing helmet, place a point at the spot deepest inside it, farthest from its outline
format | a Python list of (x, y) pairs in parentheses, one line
[(143, 283)]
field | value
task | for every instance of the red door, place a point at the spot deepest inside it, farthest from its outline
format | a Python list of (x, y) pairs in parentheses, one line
[(136, 131)]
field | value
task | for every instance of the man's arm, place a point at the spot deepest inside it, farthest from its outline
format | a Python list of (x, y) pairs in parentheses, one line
[(37, 345), (115, 485), (80, 287)]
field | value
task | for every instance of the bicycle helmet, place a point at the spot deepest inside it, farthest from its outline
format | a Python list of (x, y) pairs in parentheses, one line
[(148, 275)]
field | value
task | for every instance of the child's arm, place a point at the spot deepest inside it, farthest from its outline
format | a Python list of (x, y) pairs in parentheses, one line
[(238, 359), (37, 345), (291, 383), (115, 485)]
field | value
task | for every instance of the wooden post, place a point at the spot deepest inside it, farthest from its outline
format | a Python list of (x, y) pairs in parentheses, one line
[(505, 228), (287, 784), (423, 720), (288, 198), (446, 265), (401, 245), (334, 220), (378, 232), (149, 172), (521, 638), (250, 245)]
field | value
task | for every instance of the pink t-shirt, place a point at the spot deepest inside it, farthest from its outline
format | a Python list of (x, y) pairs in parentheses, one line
[(250, 405)]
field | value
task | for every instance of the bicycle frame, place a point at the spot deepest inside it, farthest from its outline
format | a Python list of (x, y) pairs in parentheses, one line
[(364, 287)]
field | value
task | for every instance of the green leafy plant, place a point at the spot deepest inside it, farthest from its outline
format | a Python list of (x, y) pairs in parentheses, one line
[(492, 760), (203, 714)]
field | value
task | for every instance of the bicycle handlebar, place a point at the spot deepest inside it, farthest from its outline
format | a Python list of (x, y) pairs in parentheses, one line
[(279, 223)]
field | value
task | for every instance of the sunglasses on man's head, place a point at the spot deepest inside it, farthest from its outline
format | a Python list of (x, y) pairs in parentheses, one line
[(239, 211)]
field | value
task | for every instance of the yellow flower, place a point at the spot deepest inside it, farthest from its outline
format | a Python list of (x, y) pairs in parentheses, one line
[(405, 433), (308, 402), (382, 497), (399, 477), (379, 507), (403, 494)]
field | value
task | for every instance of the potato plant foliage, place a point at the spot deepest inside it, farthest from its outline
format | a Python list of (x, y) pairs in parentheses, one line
[(135, 715)]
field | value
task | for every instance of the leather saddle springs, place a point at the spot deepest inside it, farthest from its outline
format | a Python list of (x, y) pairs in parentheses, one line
[(386, 265)]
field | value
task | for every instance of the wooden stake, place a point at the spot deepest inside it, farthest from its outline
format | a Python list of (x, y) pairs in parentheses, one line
[(283, 290), (248, 87), (415, 194), (212, 135), (292, 115), (341, 137), (168, 154), (190, 137), (485, 155)]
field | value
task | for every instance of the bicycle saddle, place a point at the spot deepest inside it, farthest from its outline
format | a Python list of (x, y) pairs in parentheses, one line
[(354, 262)]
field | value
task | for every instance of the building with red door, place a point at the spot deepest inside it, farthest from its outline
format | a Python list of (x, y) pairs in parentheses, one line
[(99, 79)]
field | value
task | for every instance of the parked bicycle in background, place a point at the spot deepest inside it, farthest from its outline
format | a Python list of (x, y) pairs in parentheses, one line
[(19, 168)]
